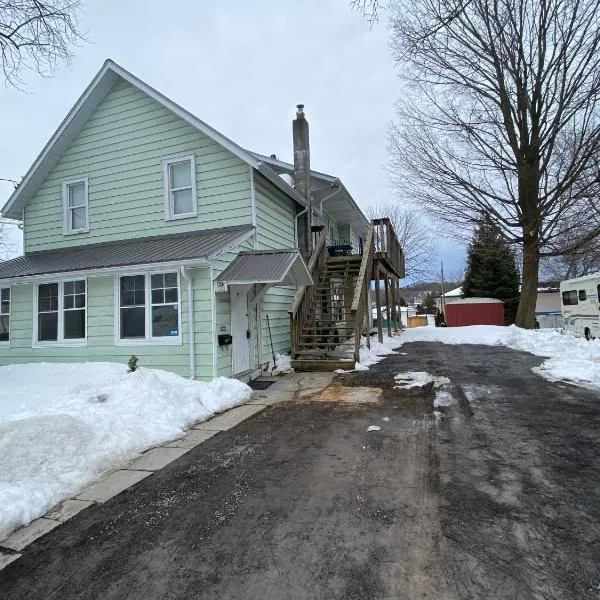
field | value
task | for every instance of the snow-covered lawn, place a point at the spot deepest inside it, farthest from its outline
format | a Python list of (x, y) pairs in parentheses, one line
[(569, 358), (64, 425)]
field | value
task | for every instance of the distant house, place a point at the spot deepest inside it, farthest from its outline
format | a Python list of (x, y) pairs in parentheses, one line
[(148, 232)]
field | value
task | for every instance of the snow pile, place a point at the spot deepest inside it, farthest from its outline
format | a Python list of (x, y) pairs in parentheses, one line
[(283, 364), (443, 398), (570, 358), (63, 425), (375, 354), (412, 379), (373, 428)]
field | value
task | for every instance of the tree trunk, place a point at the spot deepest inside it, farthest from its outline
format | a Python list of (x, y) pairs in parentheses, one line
[(531, 262)]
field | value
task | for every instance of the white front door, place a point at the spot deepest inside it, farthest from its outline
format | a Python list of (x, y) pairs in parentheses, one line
[(240, 328)]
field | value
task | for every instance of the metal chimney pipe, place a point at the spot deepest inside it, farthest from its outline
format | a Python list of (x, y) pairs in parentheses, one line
[(302, 178)]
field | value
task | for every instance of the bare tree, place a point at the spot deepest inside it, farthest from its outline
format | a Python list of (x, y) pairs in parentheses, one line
[(36, 34), (501, 117), (416, 240)]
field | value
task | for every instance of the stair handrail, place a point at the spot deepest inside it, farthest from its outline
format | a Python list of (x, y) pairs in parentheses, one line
[(304, 294), (361, 289)]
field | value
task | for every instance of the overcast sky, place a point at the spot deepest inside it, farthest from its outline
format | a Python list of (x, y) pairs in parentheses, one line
[(241, 66)]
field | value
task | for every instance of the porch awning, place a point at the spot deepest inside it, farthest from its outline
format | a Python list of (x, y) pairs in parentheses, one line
[(276, 267)]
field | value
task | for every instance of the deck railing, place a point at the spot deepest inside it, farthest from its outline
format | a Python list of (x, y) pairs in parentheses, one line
[(304, 294), (361, 301), (387, 247)]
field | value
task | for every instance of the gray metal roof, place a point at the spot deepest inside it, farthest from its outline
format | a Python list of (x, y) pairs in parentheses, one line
[(282, 267), (197, 245)]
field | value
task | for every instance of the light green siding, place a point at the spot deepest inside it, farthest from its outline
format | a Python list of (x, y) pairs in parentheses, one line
[(101, 346), (120, 151), (275, 214), (223, 309)]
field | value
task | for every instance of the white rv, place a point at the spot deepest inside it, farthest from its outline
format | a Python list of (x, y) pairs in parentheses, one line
[(580, 299)]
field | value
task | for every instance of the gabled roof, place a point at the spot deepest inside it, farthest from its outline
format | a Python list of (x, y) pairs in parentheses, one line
[(199, 248), (81, 113), (341, 207)]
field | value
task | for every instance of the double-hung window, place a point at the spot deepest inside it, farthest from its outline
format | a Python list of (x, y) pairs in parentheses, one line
[(75, 202), (4, 315), (61, 312), (149, 309), (180, 187)]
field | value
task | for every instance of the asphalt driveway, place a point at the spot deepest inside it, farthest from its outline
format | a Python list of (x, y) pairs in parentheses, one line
[(495, 496)]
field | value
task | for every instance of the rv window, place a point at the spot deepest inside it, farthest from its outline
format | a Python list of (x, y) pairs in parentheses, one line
[(570, 298), (582, 295)]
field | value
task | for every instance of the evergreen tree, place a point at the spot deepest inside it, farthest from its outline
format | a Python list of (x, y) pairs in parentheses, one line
[(429, 304), (491, 269)]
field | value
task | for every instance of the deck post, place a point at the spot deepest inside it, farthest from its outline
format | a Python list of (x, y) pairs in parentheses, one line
[(388, 309), (368, 313), (378, 304)]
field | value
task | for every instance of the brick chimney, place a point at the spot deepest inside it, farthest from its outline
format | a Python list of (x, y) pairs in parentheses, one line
[(302, 178)]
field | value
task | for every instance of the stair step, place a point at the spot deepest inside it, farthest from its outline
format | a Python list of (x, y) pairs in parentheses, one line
[(322, 365)]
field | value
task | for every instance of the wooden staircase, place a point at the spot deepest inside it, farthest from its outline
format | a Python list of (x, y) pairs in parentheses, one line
[(328, 318), (327, 329)]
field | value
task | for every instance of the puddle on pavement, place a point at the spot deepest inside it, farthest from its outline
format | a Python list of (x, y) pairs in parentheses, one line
[(348, 395)]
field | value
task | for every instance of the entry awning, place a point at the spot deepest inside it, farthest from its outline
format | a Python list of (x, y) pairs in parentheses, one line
[(276, 267)]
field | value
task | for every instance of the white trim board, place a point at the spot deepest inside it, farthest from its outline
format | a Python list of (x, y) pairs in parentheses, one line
[(84, 108)]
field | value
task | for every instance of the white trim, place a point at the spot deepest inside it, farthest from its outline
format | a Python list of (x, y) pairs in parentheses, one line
[(191, 322), (168, 191), (65, 194), (147, 340), (10, 300), (60, 332), (92, 96), (69, 275), (214, 325), (253, 199)]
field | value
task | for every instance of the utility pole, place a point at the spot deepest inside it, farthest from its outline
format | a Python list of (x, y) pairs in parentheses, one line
[(443, 303)]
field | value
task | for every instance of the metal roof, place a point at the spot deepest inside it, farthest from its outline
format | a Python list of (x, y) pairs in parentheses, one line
[(282, 267), (199, 246)]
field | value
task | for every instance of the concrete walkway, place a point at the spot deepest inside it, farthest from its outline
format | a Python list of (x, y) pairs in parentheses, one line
[(285, 388)]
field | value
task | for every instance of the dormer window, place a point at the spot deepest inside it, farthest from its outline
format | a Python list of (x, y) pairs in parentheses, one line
[(180, 187), (75, 202)]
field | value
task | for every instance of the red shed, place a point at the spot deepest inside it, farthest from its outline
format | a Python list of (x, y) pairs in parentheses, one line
[(474, 311)]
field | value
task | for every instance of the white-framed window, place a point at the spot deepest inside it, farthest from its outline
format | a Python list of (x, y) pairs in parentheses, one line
[(179, 176), (76, 206), (149, 309), (60, 313), (4, 316)]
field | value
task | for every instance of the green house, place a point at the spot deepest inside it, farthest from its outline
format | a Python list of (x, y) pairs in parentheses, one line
[(148, 232)]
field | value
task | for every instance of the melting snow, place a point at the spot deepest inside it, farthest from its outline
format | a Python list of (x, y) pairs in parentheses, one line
[(373, 428), (64, 425), (418, 379)]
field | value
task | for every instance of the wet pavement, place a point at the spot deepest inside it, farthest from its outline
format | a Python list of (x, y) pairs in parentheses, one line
[(493, 496)]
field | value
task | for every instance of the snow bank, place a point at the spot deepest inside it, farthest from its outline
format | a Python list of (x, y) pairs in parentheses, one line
[(63, 425), (373, 355), (283, 364), (570, 358)]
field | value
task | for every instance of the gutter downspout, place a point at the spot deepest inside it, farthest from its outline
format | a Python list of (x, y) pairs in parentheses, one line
[(191, 324), (330, 196)]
